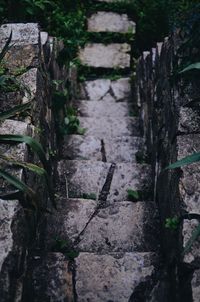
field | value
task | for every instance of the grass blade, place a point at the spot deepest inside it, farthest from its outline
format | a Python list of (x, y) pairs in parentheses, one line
[(6, 47), (190, 159), (193, 238), (32, 143), (191, 67), (14, 111), (33, 168)]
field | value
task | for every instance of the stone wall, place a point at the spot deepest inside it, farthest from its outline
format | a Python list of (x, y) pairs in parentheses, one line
[(169, 115), (33, 53)]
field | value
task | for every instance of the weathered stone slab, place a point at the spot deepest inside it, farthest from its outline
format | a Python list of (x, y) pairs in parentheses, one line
[(123, 227), (121, 89), (112, 277), (78, 178), (119, 149), (196, 286), (129, 176), (189, 120), (52, 278), (98, 109), (190, 180), (103, 89), (25, 44), (110, 22), (114, 55), (193, 255), (105, 127)]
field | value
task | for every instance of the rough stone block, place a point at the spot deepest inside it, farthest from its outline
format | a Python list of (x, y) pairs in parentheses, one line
[(122, 227), (106, 127), (52, 278), (110, 22), (81, 177), (98, 109), (114, 55), (119, 149), (196, 286), (25, 45), (189, 185), (103, 89), (112, 277), (85, 177), (129, 176), (193, 255), (189, 120)]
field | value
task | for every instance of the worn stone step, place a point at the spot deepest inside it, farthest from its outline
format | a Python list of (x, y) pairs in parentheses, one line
[(98, 109), (105, 89), (115, 277), (106, 127), (110, 22), (119, 149), (122, 227), (115, 55), (77, 178)]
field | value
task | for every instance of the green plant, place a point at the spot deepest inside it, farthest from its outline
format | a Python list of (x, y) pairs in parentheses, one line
[(193, 158), (133, 195), (65, 247), (172, 223)]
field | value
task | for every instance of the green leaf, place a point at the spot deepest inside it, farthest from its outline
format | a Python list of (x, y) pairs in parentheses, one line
[(133, 195), (192, 239), (193, 158), (33, 168), (191, 67), (6, 47), (16, 182), (32, 143), (16, 110)]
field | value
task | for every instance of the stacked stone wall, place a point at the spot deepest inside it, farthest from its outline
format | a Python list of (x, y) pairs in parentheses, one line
[(35, 54), (169, 118)]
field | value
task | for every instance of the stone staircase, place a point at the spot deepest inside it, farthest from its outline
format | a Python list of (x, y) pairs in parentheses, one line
[(116, 238)]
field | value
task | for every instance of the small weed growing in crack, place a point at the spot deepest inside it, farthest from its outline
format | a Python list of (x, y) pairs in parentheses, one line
[(172, 223), (65, 247), (133, 195), (89, 196)]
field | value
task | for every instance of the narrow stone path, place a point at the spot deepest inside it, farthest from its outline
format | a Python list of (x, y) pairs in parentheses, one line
[(115, 237)]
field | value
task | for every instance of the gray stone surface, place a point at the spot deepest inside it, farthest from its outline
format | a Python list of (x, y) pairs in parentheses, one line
[(15, 127), (110, 22), (98, 109), (189, 120), (52, 278), (189, 184), (7, 214), (112, 277), (86, 177), (119, 149), (81, 177), (193, 255), (123, 227), (22, 34), (129, 176), (196, 286), (107, 56), (105, 127), (104, 89)]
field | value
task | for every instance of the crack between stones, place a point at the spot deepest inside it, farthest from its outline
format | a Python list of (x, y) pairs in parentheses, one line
[(103, 151), (101, 200)]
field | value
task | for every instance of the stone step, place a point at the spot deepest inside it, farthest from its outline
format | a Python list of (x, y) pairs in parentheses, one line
[(119, 149), (121, 227), (79, 177), (105, 89), (115, 55), (115, 277), (98, 109), (110, 22), (106, 127)]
